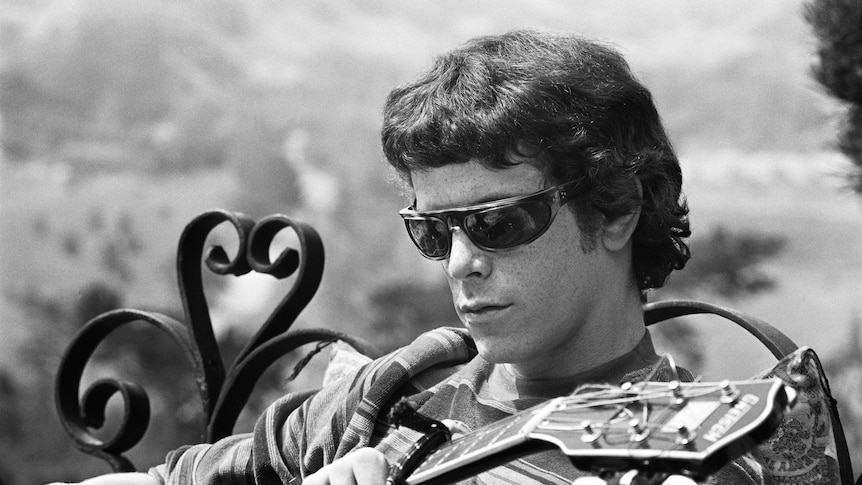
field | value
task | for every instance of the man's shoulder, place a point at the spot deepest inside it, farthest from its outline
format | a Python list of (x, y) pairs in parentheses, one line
[(439, 351), (443, 344), (440, 348)]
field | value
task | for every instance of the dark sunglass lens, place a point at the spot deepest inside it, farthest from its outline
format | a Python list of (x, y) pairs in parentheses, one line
[(430, 235), (507, 227)]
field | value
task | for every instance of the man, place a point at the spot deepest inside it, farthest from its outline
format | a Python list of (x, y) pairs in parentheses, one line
[(545, 185)]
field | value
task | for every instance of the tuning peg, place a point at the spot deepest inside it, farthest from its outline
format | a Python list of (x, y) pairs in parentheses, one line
[(591, 434), (637, 431), (729, 392), (679, 398), (684, 435)]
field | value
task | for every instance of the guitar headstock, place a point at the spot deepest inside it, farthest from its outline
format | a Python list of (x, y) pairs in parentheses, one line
[(683, 428)]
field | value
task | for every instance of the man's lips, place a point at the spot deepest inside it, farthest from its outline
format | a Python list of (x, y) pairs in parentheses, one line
[(479, 309)]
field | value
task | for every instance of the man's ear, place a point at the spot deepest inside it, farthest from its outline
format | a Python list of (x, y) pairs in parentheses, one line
[(617, 232)]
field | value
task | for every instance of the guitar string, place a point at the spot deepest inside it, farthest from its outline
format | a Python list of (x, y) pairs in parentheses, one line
[(582, 401), (636, 398)]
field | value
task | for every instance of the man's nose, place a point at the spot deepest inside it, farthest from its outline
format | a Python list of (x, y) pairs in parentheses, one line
[(465, 258)]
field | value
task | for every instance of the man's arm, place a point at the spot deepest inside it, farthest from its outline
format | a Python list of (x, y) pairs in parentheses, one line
[(365, 466)]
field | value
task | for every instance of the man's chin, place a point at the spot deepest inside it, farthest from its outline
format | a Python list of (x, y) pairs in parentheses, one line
[(494, 353)]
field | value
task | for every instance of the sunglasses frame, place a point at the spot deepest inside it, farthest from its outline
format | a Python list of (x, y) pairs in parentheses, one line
[(555, 196)]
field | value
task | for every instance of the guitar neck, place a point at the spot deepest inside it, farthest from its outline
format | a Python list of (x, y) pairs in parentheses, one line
[(501, 442)]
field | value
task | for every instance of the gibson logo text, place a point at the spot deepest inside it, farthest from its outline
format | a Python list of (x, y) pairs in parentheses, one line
[(720, 428)]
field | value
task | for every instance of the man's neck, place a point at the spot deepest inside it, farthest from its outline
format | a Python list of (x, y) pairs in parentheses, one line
[(610, 332), (506, 385)]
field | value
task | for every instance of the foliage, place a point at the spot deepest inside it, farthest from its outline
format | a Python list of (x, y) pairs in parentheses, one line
[(836, 25), (75, 92), (844, 369), (135, 352), (403, 310), (729, 264), (723, 263)]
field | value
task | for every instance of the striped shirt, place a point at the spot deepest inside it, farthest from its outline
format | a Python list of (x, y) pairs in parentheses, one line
[(442, 374)]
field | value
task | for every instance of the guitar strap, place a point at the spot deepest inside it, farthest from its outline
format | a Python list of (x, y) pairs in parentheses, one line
[(843, 452), (779, 344)]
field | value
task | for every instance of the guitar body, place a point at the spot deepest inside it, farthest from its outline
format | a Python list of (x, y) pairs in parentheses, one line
[(690, 429)]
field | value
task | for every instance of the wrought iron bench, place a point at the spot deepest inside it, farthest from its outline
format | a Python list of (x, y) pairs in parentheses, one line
[(223, 392)]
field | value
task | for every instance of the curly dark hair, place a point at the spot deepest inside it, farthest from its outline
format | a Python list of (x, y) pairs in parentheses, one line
[(569, 102)]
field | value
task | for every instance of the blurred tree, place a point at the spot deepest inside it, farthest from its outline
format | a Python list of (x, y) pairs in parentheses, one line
[(728, 264), (134, 352), (114, 262), (95, 299), (403, 310), (134, 85), (836, 23), (71, 245), (725, 264), (844, 369), (11, 429), (26, 395)]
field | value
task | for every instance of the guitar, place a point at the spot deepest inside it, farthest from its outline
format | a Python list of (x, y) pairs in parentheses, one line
[(690, 429)]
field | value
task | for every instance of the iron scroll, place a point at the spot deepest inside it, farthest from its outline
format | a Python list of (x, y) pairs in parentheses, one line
[(223, 392)]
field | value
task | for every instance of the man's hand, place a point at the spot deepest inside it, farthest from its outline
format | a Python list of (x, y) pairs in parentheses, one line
[(119, 479), (365, 466)]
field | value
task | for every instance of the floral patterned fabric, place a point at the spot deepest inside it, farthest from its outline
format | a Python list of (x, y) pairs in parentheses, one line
[(803, 449)]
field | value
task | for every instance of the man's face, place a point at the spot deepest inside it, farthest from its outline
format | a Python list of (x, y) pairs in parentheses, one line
[(527, 306)]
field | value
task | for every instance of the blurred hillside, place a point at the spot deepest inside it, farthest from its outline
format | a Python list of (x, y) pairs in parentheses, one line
[(121, 120)]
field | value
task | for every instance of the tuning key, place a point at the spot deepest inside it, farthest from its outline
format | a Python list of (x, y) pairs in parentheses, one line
[(637, 431), (591, 434), (684, 435), (679, 398), (729, 392)]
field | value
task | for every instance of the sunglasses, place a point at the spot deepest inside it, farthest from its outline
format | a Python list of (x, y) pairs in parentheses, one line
[(498, 225)]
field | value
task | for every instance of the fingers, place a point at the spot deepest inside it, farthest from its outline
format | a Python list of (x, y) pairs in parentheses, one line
[(365, 466), (371, 468)]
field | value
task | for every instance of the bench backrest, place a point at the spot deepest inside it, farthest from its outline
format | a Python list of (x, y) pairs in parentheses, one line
[(223, 391)]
